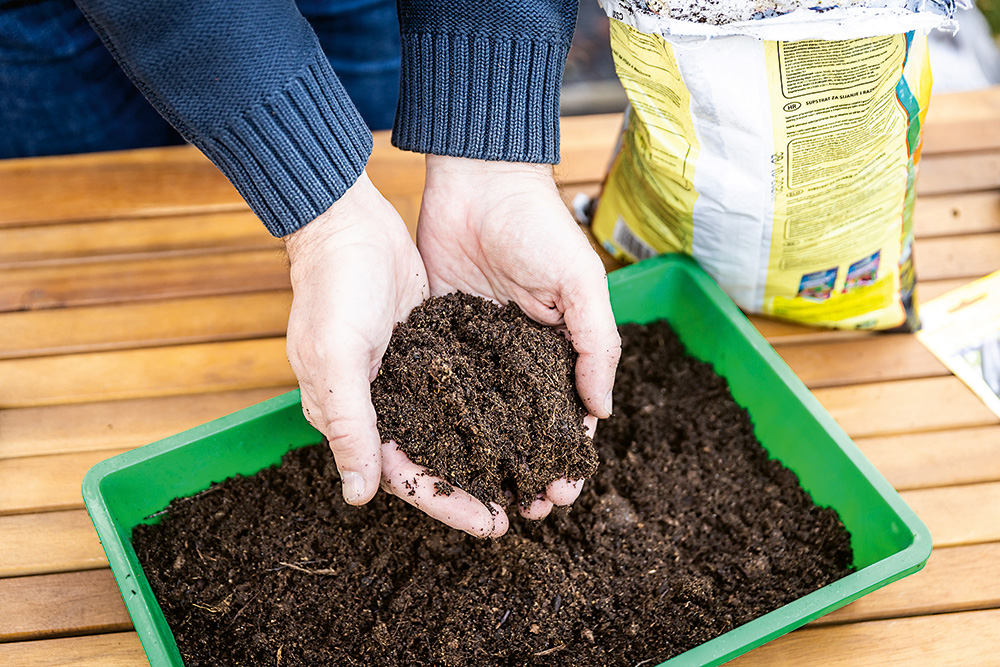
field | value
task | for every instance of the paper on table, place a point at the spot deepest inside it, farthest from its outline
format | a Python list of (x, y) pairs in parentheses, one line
[(962, 329)]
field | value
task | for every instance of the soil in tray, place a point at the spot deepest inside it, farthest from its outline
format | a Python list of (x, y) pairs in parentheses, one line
[(686, 531)]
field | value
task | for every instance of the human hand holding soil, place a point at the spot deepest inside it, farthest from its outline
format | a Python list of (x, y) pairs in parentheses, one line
[(355, 273), (500, 230)]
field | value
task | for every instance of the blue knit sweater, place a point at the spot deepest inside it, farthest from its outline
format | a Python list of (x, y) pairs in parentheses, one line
[(247, 83)]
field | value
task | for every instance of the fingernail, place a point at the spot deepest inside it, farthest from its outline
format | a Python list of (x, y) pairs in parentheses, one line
[(354, 486), (608, 403)]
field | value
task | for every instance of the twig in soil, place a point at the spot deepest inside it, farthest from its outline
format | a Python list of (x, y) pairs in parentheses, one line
[(504, 619), (640, 664), (324, 571), (550, 650)]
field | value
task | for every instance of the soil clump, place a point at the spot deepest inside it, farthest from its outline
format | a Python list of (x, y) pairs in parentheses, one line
[(686, 531), (485, 398)]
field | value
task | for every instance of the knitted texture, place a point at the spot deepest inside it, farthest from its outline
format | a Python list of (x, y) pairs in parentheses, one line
[(248, 84), (481, 80)]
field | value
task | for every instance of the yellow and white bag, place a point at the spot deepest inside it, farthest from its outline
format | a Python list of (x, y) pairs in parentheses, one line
[(778, 149)]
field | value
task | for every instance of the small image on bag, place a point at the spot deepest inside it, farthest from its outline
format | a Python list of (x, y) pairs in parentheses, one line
[(778, 145)]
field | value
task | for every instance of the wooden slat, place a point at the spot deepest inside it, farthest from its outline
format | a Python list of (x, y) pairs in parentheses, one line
[(160, 277), (959, 515), (55, 605), (143, 324), (954, 579), (876, 358), (905, 406), (943, 640), (46, 483), (966, 121), (116, 424), (49, 542), (970, 256), (959, 172), (59, 243), (147, 182), (956, 214), (110, 650), (938, 458), (105, 376), (931, 289), (176, 180)]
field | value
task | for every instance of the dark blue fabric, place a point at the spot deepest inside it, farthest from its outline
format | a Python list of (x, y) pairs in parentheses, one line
[(482, 79), (248, 83), (61, 91)]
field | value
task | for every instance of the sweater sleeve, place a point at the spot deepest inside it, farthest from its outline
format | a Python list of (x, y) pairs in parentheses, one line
[(481, 79), (248, 84)]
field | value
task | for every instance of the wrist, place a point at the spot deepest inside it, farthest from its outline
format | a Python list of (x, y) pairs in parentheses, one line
[(453, 171)]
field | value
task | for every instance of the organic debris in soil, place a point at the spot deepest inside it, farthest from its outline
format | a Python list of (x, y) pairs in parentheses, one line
[(687, 531), (484, 397)]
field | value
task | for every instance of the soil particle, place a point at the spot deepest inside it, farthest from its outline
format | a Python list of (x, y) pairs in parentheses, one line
[(485, 398), (686, 531)]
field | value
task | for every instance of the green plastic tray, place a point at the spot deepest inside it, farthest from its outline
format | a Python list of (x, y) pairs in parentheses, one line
[(889, 540)]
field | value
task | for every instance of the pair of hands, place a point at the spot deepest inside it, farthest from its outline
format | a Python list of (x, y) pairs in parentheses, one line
[(498, 230)]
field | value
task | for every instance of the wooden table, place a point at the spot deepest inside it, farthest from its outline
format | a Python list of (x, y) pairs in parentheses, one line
[(139, 297)]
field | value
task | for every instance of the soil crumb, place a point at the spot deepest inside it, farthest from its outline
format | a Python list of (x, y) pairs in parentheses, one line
[(485, 398), (686, 531)]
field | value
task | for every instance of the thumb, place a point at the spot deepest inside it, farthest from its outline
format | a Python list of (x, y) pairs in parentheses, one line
[(347, 419), (592, 328)]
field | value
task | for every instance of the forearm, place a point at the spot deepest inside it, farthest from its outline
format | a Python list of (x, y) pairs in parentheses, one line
[(481, 79), (247, 83)]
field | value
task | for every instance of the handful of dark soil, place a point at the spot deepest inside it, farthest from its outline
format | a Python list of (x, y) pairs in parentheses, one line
[(484, 397)]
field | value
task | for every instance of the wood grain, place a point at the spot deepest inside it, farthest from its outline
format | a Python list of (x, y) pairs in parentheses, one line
[(110, 650), (937, 458), (59, 243), (956, 214), (144, 324), (954, 579), (931, 289), (56, 605), (971, 256), (61, 429), (875, 358), (942, 640), (949, 173), (165, 371), (959, 515), (965, 121), (46, 483), (905, 406), (161, 277), (49, 542), (175, 180)]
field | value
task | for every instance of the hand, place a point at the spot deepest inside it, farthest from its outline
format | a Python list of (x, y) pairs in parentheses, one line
[(355, 273), (501, 231)]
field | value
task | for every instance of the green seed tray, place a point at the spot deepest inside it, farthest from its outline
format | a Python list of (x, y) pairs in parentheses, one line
[(889, 540)]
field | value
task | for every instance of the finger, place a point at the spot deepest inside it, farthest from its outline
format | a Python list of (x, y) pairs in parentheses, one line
[(564, 491), (592, 328), (538, 509), (348, 421), (405, 479)]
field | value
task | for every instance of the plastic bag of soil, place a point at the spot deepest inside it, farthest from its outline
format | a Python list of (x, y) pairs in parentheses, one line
[(778, 144)]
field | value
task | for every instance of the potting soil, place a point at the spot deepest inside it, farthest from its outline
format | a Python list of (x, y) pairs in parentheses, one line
[(484, 397), (686, 531)]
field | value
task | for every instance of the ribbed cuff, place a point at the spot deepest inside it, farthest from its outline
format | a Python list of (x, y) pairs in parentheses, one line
[(296, 153), (486, 98)]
